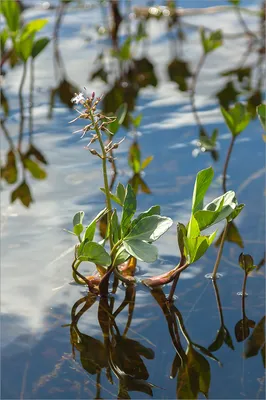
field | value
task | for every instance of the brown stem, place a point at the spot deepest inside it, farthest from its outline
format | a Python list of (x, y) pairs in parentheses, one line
[(227, 161)]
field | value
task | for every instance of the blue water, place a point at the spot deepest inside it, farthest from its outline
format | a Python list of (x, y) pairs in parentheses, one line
[(36, 289)]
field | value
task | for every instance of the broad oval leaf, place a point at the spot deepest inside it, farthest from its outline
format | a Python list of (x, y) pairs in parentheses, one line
[(141, 250), (154, 210), (95, 253), (150, 228), (217, 210)]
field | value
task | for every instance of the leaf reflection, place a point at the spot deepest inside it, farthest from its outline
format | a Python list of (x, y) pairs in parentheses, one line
[(223, 335), (117, 354), (191, 368)]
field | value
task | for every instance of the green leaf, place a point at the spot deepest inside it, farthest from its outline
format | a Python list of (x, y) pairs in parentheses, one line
[(234, 2), (122, 256), (134, 158), (95, 253), (113, 197), (150, 228), (24, 47), (193, 230), (202, 183), (121, 192), (211, 41), (196, 247), (141, 250), (124, 53), (218, 209), (236, 212), (11, 12), (90, 230), (146, 162), (181, 234), (154, 210), (129, 209), (77, 223), (35, 170), (120, 114), (137, 120), (237, 118), (39, 45), (4, 35), (78, 229), (246, 263), (78, 218), (261, 111), (33, 27), (115, 228), (194, 244)]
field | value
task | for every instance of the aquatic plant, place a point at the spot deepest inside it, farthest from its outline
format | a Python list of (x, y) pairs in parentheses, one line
[(192, 244), (134, 237), (127, 237)]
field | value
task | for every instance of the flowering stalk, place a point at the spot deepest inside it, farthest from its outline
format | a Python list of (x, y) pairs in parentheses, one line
[(105, 178)]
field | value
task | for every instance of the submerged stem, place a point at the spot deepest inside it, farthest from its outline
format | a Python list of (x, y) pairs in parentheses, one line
[(220, 251), (244, 293), (182, 266)]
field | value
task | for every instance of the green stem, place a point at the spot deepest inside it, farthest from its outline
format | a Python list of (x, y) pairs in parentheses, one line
[(21, 105), (220, 251), (105, 177), (227, 161), (77, 274)]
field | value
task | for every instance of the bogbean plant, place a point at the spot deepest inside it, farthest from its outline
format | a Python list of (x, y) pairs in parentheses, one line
[(133, 236)]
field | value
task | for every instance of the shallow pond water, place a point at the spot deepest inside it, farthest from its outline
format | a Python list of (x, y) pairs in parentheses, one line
[(42, 356)]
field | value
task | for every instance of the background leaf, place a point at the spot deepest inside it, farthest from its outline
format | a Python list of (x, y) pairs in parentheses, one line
[(39, 45)]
